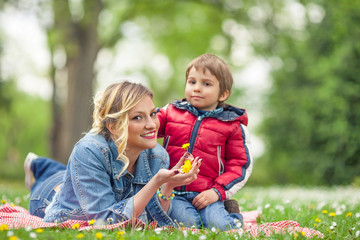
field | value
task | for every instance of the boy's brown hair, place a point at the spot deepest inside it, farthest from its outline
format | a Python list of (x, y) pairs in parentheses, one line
[(217, 67)]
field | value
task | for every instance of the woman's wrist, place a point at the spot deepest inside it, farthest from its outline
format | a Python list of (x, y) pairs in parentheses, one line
[(166, 190), (164, 196)]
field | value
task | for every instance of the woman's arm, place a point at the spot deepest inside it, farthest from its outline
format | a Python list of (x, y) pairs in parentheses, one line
[(168, 179)]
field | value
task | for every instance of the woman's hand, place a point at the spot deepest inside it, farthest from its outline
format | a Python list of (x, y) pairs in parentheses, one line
[(185, 156), (174, 177)]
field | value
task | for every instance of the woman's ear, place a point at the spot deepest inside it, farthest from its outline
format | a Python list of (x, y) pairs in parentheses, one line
[(110, 127), (224, 96)]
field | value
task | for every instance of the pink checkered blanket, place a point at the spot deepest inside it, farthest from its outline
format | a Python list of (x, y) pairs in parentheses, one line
[(15, 217)]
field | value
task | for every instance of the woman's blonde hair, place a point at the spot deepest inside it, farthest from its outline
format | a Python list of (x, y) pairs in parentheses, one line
[(112, 107)]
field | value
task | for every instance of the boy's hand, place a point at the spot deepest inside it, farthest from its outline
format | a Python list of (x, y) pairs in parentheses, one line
[(205, 198)]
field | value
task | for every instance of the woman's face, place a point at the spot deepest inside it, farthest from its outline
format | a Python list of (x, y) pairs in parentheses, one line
[(143, 126)]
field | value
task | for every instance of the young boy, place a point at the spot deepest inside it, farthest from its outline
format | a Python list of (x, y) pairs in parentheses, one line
[(214, 131)]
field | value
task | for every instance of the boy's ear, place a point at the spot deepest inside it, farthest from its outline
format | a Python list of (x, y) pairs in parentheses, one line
[(224, 96)]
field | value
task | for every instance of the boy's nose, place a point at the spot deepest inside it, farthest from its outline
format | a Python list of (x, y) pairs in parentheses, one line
[(197, 87)]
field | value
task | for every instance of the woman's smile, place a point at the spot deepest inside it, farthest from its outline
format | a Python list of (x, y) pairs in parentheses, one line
[(149, 135)]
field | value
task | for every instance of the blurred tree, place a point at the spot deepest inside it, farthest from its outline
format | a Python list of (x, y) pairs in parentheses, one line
[(312, 112), (74, 32), (77, 30), (312, 127), (181, 31)]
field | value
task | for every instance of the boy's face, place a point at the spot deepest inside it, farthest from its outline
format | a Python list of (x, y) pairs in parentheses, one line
[(202, 90)]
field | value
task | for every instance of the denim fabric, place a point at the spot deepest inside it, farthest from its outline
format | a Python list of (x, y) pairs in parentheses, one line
[(91, 188), (214, 215), (48, 174)]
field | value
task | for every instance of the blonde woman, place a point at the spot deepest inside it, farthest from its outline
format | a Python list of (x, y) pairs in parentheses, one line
[(116, 172)]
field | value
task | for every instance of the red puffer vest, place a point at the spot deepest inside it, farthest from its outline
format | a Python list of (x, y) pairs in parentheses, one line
[(219, 137)]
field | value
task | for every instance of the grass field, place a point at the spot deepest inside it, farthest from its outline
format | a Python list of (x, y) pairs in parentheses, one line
[(333, 211)]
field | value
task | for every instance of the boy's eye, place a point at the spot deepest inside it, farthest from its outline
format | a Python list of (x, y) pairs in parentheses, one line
[(191, 82)]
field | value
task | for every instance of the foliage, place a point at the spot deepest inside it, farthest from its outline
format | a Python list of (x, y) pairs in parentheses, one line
[(335, 212), (312, 114), (178, 30), (24, 125)]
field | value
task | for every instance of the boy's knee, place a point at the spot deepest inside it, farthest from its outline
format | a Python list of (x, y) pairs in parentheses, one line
[(184, 220)]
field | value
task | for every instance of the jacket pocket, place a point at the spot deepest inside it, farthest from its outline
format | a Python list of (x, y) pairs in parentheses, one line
[(218, 155)]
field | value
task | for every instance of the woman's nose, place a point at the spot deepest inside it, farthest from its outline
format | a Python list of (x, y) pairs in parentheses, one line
[(150, 124)]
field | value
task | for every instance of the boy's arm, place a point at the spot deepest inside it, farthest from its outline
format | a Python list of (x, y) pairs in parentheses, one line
[(161, 114), (238, 164)]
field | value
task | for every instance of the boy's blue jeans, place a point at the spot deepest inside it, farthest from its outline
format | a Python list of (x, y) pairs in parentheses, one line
[(48, 175), (214, 215)]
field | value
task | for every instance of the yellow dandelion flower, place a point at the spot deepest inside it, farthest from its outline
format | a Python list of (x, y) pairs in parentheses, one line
[(332, 214), (185, 146), (98, 235), (318, 220), (324, 211), (349, 214), (13, 238), (120, 234), (75, 226), (80, 235), (186, 167), (91, 222), (3, 201), (302, 234), (3, 227), (39, 230), (296, 235), (315, 225), (12, 204)]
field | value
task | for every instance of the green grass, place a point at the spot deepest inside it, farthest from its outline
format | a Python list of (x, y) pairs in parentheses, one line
[(333, 211)]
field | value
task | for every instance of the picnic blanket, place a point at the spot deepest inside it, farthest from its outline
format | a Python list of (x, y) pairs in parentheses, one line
[(15, 217)]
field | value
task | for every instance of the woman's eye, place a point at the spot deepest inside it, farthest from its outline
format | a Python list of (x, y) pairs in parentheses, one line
[(153, 114), (136, 118)]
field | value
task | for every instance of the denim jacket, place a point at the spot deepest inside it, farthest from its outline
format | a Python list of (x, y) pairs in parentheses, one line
[(91, 188)]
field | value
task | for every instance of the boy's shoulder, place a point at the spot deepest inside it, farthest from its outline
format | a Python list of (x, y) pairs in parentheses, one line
[(232, 113)]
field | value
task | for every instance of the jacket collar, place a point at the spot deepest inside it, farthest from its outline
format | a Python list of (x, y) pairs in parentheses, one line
[(142, 173), (226, 113)]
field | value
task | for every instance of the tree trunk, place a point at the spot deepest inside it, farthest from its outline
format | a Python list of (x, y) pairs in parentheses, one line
[(81, 46)]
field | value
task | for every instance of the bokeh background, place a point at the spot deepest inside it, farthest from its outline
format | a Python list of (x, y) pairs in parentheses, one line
[(296, 66)]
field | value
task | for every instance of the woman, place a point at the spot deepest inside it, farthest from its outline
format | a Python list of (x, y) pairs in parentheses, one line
[(116, 172)]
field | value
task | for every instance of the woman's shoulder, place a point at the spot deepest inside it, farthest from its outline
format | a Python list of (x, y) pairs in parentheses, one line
[(94, 143), (93, 139)]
